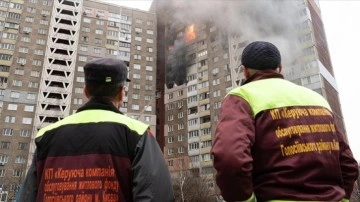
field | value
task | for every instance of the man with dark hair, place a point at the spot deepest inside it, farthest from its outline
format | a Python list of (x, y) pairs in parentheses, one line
[(276, 140), (98, 154)]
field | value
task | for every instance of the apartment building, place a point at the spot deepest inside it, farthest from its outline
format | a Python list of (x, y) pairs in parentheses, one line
[(44, 45), (201, 60)]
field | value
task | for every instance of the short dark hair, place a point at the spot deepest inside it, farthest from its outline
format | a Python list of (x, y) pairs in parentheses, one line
[(261, 55)]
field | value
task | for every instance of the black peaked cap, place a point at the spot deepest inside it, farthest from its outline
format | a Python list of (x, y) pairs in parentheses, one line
[(106, 71)]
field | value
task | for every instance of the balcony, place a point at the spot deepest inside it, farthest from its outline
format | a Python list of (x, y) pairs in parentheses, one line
[(204, 101), (194, 152), (204, 113), (205, 125), (52, 113), (205, 150), (57, 78), (56, 89)]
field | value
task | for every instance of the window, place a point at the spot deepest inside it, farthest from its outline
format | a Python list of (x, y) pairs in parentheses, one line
[(194, 133), (151, 32), (40, 41), (7, 131), (26, 120), (39, 52), (87, 20), (193, 146), (181, 150), (170, 128), (149, 58), (84, 48), (148, 108), (25, 39), (37, 62), (20, 159), (24, 133), (135, 107), (2, 172), (180, 126), (17, 83), (79, 90), (135, 96), (34, 73), (33, 84), (149, 78), (44, 22), (29, 19), (31, 96), (29, 108), (97, 50), (148, 68), (14, 94), (149, 49), (181, 138), (17, 173), (9, 119), (85, 29), (136, 76), (4, 158), (78, 101), (137, 66), (137, 57), (149, 40), (4, 145), (137, 38), (136, 86), (12, 107), (147, 118), (170, 151), (170, 139), (82, 58), (147, 97), (99, 31)]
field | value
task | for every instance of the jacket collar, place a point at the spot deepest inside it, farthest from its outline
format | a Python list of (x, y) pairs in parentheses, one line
[(99, 103), (264, 74)]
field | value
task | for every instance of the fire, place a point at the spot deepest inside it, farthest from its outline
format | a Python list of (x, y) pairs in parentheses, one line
[(190, 33)]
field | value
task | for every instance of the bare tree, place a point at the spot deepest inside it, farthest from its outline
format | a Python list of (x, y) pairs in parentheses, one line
[(189, 185)]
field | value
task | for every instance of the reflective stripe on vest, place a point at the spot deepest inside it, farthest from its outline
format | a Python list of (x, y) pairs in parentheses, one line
[(276, 93), (97, 116)]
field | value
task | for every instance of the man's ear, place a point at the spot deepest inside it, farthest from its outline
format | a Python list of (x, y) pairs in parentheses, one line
[(121, 94), (86, 92), (246, 72), (279, 68)]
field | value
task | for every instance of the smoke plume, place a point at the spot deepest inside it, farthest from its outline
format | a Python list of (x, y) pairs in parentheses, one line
[(275, 21)]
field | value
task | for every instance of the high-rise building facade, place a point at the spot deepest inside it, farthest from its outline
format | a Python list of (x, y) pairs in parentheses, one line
[(44, 45), (200, 50)]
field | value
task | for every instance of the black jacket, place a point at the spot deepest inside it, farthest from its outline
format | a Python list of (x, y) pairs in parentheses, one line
[(97, 154)]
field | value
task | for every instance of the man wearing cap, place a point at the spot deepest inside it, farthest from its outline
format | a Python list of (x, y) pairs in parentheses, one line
[(277, 141), (98, 154)]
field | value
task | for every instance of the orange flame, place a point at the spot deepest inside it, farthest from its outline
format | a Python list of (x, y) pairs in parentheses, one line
[(190, 33)]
